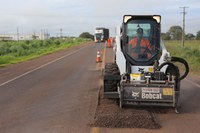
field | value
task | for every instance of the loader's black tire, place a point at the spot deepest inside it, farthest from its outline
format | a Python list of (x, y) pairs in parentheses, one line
[(110, 73), (174, 71)]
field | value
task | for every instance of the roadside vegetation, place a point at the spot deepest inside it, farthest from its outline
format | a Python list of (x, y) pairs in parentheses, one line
[(17, 51), (190, 52), (191, 49)]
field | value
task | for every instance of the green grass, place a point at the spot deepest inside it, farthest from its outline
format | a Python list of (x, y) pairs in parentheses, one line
[(14, 52), (190, 52)]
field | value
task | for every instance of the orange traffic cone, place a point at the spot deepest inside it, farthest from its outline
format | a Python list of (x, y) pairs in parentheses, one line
[(98, 59), (109, 43)]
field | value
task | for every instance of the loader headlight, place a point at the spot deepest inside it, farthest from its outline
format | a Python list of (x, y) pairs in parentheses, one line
[(157, 18), (126, 18)]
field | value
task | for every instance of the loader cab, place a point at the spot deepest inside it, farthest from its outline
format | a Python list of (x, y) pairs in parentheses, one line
[(141, 50)]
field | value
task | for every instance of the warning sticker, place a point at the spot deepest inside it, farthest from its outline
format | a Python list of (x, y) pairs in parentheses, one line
[(150, 69), (167, 91)]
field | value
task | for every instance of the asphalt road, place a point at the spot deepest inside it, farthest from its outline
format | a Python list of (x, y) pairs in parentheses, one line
[(60, 96), (58, 93)]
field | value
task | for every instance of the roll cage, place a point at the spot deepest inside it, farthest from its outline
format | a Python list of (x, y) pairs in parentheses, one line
[(151, 33)]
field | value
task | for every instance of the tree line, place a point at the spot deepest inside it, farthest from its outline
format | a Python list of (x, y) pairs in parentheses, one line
[(86, 35), (175, 33)]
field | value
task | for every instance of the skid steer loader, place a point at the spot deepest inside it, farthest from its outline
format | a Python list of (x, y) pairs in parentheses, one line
[(143, 76)]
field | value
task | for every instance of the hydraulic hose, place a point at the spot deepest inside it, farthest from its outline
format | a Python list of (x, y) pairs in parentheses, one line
[(180, 60), (184, 62), (169, 64)]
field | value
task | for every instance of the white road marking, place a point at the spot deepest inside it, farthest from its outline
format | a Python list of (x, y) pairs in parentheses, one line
[(191, 82), (104, 56), (26, 73)]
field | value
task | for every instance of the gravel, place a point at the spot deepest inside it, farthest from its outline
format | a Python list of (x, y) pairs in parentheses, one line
[(110, 115)]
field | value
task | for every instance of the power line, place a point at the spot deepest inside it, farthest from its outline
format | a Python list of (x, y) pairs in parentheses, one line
[(183, 32)]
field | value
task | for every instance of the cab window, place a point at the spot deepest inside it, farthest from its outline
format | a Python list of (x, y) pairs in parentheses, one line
[(144, 47)]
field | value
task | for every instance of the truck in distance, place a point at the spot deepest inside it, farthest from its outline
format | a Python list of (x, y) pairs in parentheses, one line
[(101, 34)]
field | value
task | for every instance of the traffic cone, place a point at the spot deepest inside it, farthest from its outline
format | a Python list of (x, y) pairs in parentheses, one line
[(109, 43), (98, 59)]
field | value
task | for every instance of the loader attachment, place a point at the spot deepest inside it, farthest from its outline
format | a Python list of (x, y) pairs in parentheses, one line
[(148, 95)]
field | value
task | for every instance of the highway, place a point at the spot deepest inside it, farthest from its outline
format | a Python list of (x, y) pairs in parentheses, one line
[(58, 93), (60, 96)]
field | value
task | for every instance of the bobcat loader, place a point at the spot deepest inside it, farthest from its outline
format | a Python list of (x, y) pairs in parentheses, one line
[(143, 80)]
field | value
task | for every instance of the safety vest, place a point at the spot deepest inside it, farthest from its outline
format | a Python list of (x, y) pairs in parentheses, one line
[(143, 42)]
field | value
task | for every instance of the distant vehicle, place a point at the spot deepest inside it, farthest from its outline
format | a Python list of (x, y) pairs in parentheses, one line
[(101, 34)]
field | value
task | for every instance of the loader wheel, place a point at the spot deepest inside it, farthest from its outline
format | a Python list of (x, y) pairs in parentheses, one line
[(175, 71), (111, 77)]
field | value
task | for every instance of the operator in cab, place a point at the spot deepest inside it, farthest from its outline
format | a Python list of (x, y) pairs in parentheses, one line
[(140, 47)]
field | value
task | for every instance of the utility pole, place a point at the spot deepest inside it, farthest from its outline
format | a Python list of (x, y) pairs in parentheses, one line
[(183, 32), (17, 34), (60, 32)]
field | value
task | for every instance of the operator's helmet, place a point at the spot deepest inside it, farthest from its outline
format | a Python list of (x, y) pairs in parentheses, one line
[(140, 30)]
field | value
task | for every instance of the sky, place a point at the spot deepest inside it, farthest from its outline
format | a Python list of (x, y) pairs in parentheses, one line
[(77, 16)]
